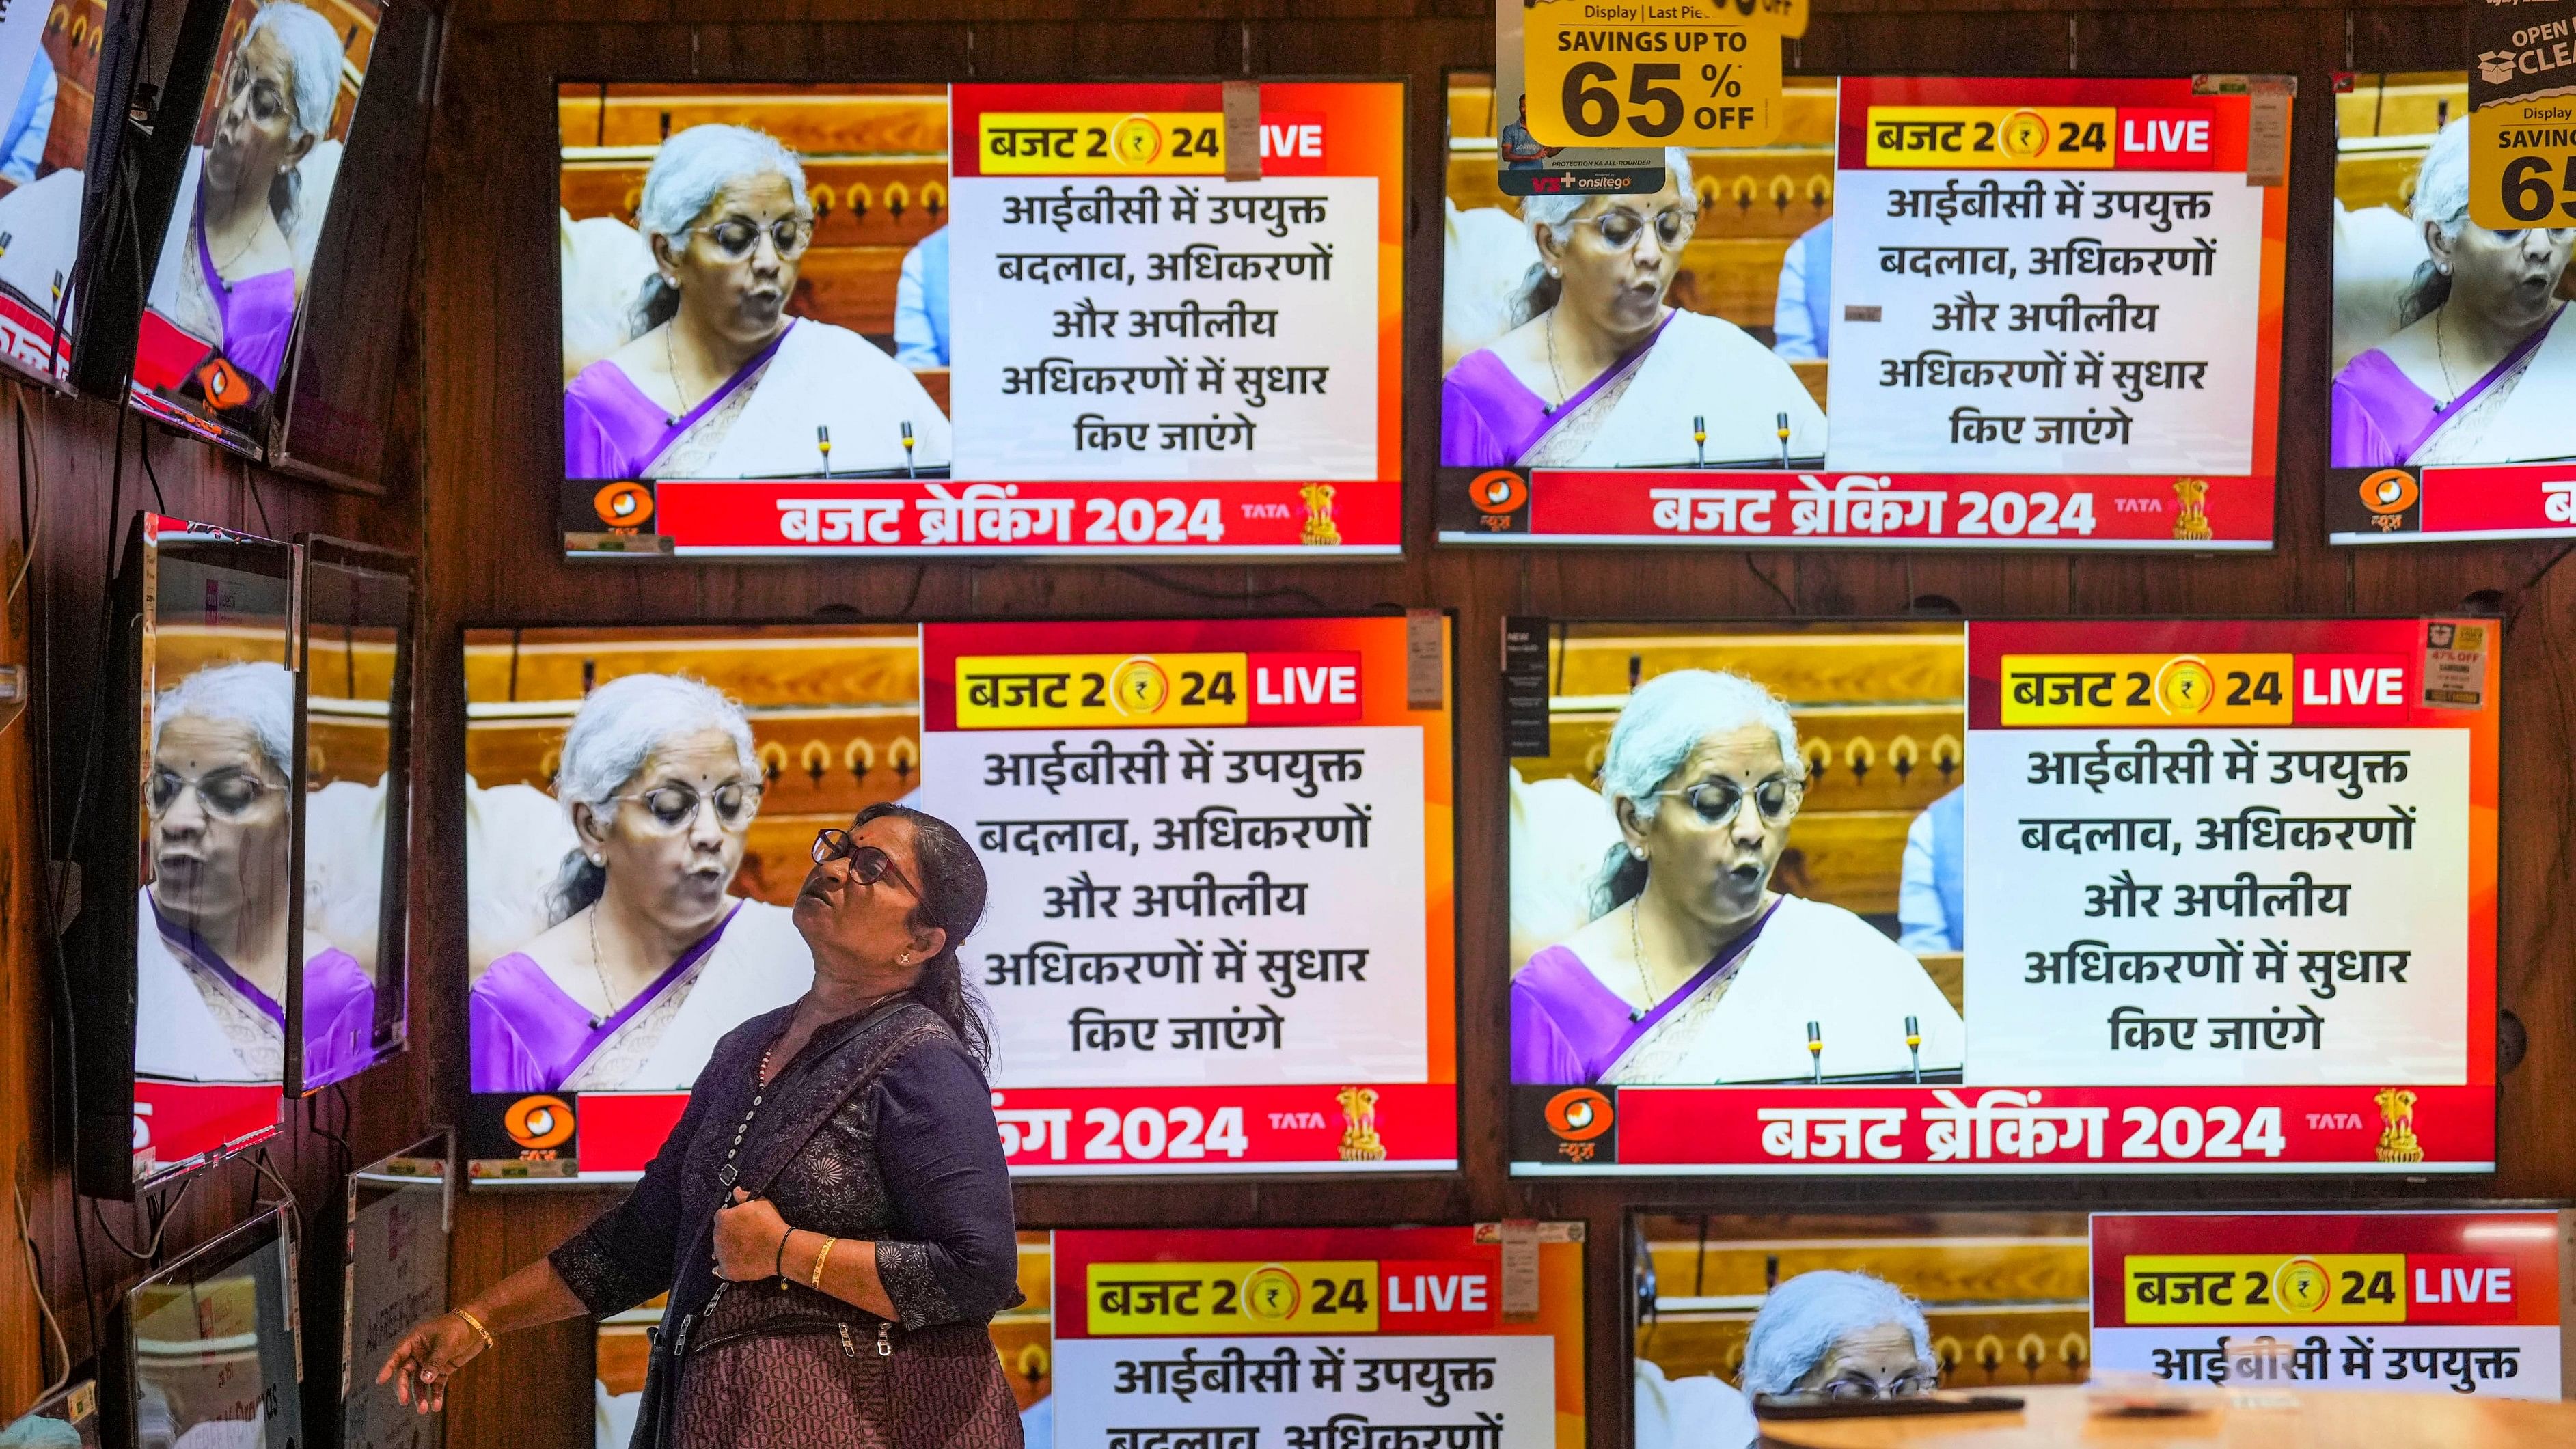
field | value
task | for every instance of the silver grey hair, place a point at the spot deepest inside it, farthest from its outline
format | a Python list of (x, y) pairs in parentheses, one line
[(692, 166), (314, 48), (1666, 718), (1807, 1315), (1554, 213), (614, 732), (259, 697)]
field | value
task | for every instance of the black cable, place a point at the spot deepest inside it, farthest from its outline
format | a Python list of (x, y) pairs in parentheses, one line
[(250, 476), (912, 596), (143, 450), (1770, 583), (1222, 596), (156, 1221)]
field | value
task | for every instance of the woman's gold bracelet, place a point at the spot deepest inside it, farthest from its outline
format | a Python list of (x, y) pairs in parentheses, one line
[(820, 1259), (476, 1324)]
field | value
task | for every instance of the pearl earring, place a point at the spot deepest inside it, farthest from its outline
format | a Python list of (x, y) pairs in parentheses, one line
[(1636, 852), (1556, 271)]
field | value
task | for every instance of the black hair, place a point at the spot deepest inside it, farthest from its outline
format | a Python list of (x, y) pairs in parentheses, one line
[(953, 890), (579, 882)]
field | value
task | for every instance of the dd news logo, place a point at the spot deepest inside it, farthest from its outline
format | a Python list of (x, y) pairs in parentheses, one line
[(1579, 1116), (539, 1125)]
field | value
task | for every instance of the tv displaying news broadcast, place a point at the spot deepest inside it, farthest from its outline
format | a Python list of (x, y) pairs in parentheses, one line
[(1935, 312), (1018, 319), (1221, 927), (2452, 384), (219, 323), (1919, 897), (48, 68)]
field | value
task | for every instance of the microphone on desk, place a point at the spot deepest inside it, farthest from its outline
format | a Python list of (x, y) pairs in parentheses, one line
[(1914, 1046), (1699, 435), (823, 443), (1816, 1053), (907, 450), (1783, 430)]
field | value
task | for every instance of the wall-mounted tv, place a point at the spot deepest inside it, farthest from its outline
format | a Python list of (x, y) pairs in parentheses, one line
[(186, 946), (1221, 925), (208, 1348), (983, 319), (354, 612), (2452, 383), (400, 1209), (1932, 897), (253, 189), (1935, 312)]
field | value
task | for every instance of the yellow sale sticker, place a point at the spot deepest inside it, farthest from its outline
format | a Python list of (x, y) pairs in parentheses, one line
[(1202, 1298), (1054, 691), (1972, 138), (1089, 143), (1667, 73), (2146, 689), (2258, 1288)]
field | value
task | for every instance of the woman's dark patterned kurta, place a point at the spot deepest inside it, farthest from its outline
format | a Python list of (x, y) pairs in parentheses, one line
[(880, 1131)]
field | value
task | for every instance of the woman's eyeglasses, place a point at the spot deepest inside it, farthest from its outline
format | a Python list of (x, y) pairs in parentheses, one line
[(228, 794), (738, 238), (868, 865), (1717, 802), (1619, 229), (674, 807), (1857, 1386)]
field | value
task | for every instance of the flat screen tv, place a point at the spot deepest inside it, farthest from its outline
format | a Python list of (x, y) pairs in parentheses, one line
[(229, 266), (1928, 897), (353, 617), (187, 944), (1221, 918), (207, 1349)]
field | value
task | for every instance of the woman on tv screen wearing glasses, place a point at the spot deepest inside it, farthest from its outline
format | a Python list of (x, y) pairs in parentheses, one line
[(650, 958), (1694, 970), (1602, 373), (210, 984), (719, 381)]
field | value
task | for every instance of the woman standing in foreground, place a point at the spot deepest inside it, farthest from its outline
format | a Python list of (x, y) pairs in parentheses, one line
[(832, 1215)]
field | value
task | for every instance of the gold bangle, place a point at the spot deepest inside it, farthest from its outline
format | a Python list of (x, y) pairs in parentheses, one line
[(820, 1258), (476, 1324)]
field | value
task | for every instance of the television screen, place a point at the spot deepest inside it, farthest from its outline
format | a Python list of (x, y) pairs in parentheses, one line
[(237, 247), (2040, 313), (64, 1419), (1730, 1305), (1466, 1334), (1933, 897), (214, 912), (2449, 1303), (49, 67), (354, 605), (2451, 383), (1133, 319), (399, 1215), (1221, 925), (211, 1346)]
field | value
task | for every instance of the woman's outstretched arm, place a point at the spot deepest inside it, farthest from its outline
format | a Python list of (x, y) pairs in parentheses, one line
[(421, 1365)]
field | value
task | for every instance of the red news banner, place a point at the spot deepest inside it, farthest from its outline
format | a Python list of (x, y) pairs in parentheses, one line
[(2054, 324)]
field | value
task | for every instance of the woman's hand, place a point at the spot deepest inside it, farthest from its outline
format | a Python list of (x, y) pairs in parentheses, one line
[(750, 1238), (427, 1357)]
